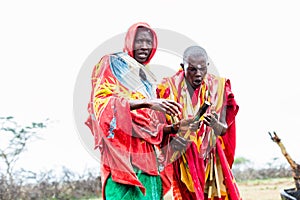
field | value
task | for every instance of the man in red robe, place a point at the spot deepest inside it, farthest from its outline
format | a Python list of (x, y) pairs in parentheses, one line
[(203, 170), (127, 120)]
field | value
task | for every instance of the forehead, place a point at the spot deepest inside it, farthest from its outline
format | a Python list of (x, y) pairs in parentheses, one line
[(196, 59), (143, 33)]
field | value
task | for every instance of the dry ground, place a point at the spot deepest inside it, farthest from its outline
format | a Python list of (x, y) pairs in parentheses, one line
[(260, 189), (265, 189)]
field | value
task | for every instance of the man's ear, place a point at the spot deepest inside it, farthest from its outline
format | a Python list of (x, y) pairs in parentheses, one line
[(182, 65)]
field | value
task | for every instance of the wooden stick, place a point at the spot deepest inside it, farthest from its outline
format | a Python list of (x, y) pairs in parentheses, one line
[(295, 167)]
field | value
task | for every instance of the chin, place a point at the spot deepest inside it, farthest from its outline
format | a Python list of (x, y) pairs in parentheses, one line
[(141, 60), (196, 86)]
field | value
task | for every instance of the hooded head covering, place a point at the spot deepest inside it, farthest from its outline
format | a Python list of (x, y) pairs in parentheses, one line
[(130, 36)]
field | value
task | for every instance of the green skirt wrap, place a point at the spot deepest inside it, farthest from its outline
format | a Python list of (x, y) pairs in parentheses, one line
[(117, 191)]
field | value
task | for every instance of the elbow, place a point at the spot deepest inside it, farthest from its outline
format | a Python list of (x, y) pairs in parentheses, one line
[(224, 130)]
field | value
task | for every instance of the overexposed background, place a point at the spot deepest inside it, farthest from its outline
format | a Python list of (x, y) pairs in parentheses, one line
[(43, 45)]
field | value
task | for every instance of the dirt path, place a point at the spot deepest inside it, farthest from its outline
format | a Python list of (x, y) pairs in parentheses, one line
[(265, 189), (260, 189)]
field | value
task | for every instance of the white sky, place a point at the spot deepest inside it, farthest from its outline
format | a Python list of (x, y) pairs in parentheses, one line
[(43, 45)]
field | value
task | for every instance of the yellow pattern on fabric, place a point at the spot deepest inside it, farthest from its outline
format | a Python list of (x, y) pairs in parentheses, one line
[(214, 176), (207, 170), (105, 89), (211, 90), (215, 187), (162, 90), (186, 177), (137, 95), (222, 142), (110, 87), (98, 66), (220, 93), (173, 91), (203, 97)]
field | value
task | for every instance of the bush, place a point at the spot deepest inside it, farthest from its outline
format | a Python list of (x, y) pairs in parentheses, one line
[(46, 185)]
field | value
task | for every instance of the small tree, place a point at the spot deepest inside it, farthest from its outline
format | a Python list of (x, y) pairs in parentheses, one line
[(241, 161), (14, 139)]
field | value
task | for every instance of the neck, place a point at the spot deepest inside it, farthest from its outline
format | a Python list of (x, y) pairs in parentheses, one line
[(190, 88)]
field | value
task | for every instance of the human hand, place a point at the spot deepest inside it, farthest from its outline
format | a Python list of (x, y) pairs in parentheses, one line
[(179, 143), (194, 126), (211, 120), (167, 106), (183, 125)]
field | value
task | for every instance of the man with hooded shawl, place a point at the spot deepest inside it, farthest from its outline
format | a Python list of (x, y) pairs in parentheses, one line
[(202, 171), (127, 120)]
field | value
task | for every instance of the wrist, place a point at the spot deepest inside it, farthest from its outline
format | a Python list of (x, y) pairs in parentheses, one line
[(138, 104), (220, 129), (170, 129), (146, 103), (173, 129)]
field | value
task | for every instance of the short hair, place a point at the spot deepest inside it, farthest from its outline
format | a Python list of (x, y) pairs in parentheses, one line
[(194, 51)]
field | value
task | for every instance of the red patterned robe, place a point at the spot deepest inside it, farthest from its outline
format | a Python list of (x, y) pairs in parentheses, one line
[(203, 171), (125, 138)]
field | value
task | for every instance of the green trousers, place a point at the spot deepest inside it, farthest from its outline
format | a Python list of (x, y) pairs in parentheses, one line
[(117, 191)]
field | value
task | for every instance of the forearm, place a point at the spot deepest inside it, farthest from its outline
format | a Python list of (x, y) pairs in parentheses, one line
[(222, 125), (172, 128), (167, 129), (138, 103), (220, 128)]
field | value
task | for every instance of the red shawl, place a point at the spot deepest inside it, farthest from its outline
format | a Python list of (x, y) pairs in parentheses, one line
[(125, 138)]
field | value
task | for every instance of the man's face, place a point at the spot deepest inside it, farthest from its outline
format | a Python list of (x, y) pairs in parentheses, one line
[(142, 45), (196, 70)]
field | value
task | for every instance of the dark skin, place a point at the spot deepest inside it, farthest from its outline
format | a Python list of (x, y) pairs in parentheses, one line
[(142, 49), (196, 69), (169, 107), (178, 142), (194, 74), (142, 45)]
